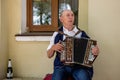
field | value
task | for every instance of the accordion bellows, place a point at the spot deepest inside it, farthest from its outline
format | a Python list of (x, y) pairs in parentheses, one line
[(78, 51)]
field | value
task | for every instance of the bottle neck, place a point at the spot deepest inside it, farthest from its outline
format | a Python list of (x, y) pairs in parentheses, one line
[(9, 63)]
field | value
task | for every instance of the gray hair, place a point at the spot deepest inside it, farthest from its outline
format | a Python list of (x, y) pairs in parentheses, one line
[(63, 7)]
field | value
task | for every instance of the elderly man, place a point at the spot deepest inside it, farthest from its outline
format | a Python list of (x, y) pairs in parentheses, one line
[(62, 71)]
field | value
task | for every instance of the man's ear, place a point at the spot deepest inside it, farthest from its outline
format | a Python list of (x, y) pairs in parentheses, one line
[(61, 19)]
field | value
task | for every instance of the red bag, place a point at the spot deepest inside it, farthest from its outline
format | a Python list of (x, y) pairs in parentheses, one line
[(48, 77)]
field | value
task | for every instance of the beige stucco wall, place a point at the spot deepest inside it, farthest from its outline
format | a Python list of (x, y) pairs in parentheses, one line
[(0, 38), (3, 42), (83, 15), (0, 23), (29, 58), (104, 25)]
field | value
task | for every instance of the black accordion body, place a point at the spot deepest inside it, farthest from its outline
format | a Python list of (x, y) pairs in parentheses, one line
[(78, 51)]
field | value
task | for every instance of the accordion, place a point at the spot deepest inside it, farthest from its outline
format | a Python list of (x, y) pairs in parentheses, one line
[(78, 51)]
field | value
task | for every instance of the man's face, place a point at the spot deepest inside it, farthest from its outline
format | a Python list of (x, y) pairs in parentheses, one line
[(67, 18)]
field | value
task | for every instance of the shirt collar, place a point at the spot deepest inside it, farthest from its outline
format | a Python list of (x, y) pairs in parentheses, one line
[(66, 30)]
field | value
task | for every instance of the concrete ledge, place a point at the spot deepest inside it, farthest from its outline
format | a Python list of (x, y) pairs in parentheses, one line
[(25, 78)]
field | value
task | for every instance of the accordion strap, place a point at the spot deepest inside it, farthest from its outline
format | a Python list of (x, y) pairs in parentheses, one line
[(77, 33), (61, 32)]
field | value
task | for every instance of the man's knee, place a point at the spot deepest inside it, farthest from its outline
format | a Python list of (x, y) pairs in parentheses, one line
[(81, 75)]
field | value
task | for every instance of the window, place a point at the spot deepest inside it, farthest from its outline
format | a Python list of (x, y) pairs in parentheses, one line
[(42, 15)]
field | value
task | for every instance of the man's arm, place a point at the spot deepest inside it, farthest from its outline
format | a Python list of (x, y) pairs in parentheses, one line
[(50, 49), (50, 52), (56, 47)]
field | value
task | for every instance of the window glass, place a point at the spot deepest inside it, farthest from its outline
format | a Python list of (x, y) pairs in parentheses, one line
[(41, 12)]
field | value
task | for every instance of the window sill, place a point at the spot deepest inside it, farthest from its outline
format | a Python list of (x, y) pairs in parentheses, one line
[(34, 36)]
